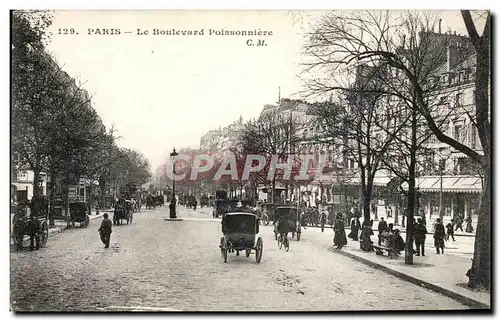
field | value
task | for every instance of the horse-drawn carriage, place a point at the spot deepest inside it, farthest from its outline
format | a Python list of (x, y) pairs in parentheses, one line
[(79, 213), (239, 231), (221, 203), (160, 201), (191, 202), (150, 202), (122, 212), (204, 201), (36, 227), (292, 217)]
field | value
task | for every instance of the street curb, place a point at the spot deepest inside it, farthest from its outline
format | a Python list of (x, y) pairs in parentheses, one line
[(456, 296)]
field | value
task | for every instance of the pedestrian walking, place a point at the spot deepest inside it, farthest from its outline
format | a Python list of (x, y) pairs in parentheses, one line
[(355, 226), (468, 227), (439, 235), (340, 239), (449, 231), (459, 223), (382, 227), (420, 232), (105, 230)]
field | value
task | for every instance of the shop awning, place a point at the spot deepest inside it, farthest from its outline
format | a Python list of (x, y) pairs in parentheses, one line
[(451, 184), (333, 178)]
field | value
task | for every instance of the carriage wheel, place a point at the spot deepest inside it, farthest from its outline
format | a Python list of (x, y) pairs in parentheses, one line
[(223, 249), (248, 252), (258, 250), (286, 243)]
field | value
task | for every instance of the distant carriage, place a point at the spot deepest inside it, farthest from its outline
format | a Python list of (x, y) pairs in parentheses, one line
[(292, 217), (122, 212), (150, 202), (191, 201), (204, 201), (79, 213), (221, 203)]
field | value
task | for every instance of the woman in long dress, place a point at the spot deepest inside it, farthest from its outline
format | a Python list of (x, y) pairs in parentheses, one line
[(340, 238), (355, 226)]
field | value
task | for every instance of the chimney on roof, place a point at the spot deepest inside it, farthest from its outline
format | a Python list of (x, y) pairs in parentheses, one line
[(440, 20)]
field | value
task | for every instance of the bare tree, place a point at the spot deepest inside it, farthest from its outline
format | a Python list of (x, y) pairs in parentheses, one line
[(481, 266), (271, 135), (405, 42)]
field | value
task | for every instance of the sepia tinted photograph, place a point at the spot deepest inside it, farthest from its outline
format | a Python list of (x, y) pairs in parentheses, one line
[(250, 160)]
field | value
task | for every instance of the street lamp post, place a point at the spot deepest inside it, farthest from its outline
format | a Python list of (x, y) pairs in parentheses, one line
[(173, 157)]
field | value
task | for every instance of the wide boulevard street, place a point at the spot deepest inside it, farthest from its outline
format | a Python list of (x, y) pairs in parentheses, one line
[(154, 264)]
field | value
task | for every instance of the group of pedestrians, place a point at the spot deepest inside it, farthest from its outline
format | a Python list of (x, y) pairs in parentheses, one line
[(388, 235)]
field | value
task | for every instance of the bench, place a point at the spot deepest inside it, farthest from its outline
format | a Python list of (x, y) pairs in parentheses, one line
[(379, 250)]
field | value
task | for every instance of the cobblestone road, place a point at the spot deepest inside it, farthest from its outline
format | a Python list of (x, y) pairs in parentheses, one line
[(154, 263)]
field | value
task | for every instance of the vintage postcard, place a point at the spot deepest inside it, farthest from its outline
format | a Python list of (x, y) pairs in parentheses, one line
[(178, 161)]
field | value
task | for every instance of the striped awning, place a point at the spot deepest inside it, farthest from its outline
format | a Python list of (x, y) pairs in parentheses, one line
[(450, 184), (333, 178)]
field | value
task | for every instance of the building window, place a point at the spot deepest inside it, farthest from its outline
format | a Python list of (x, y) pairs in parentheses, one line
[(473, 136), (459, 99), (459, 133)]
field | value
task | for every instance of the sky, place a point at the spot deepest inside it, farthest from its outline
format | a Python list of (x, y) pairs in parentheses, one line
[(161, 91)]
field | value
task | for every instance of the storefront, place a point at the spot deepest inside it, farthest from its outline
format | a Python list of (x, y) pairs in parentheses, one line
[(460, 195)]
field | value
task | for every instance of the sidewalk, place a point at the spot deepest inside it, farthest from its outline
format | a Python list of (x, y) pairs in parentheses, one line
[(440, 273)]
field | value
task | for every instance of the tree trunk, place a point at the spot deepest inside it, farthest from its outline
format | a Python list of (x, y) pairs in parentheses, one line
[(65, 199), (481, 264), (396, 214), (366, 208), (36, 187), (51, 199), (411, 189), (90, 198), (273, 190)]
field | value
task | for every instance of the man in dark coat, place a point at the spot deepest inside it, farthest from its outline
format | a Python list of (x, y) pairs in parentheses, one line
[(439, 235), (420, 232), (382, 227), (449, 231), (105, 230)]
